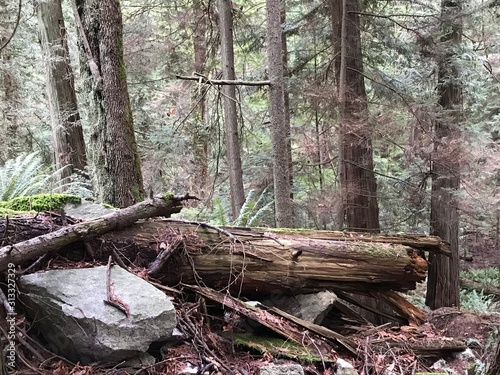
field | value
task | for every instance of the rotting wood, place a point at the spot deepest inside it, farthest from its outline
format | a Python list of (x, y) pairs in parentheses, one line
[(258, 264), (278, 324), (37, 246), (416, 241)]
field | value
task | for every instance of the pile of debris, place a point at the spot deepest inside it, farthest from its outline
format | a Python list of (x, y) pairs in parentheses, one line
[(120, 292)]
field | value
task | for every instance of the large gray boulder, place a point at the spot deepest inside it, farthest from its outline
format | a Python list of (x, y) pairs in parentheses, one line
[(67, 306)]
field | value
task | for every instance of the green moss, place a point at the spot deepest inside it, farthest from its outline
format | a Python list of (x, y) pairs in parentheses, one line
[(168, 196), (276, 347), (41, 202), (107, 205), (8, 212)]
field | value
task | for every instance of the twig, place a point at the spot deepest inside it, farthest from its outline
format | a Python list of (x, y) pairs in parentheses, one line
[(161, 259), (5, 303), (111, 299), (34, 265), (207, 225)]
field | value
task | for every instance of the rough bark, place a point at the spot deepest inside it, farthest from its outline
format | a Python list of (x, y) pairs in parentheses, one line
[(494, 368), (280, 134), (37, 246), (286, 95), (255, 261), (113, 145), (67, 133), (9, 89), (357, 180), (443, 286), (200, 138), (229, 101)]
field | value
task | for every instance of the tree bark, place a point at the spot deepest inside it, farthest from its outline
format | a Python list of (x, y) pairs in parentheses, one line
[(9, 90), (254, 261), (494, 368), (67, 133), (358, 187), (200, 137), (113, 146), (229, 100), (443, 286), (280, 134)]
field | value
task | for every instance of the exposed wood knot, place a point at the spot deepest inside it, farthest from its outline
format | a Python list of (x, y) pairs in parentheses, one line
[(296, 254)]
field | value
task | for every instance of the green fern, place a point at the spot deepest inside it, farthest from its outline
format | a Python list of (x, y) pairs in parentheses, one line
[(27, 175), (219, 215)]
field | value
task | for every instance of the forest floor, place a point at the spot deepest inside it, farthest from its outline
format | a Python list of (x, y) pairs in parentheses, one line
[(387, 349)]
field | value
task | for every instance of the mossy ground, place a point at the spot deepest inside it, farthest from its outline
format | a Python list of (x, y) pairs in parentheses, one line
[(276, 346), (37, 203)]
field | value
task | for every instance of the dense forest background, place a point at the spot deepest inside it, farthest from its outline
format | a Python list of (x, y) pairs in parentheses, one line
[(366, 95)]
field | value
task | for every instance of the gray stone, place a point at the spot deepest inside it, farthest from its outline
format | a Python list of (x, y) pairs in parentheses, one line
[(68, 307), (310, 307), (87, 210), (282, 370), (343, 367)]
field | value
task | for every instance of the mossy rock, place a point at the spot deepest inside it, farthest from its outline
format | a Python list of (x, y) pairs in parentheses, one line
[(40, 202)]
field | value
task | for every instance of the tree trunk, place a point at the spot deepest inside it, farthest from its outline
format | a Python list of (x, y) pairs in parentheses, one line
[(280, 134), (443, 286), (229, 100), (200, 138), (9, 90), (286, 94), (357, 180), (67, 133), (113, 146), (494, 368)]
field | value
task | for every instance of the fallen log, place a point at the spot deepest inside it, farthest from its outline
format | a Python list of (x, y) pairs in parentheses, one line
[(256, 262), (37, 246)]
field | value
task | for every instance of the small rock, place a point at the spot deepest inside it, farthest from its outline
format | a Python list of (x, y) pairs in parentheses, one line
[(282, 370), (343, 367), (310, 307)]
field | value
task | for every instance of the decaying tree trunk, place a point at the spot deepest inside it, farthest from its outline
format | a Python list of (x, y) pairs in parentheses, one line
[(254, 261), (37, 246)]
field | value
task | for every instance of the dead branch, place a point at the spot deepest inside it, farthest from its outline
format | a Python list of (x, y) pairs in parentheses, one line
[(34, 247), (222, 82)]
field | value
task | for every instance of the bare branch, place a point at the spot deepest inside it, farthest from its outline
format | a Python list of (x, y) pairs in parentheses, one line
[(237, 82)]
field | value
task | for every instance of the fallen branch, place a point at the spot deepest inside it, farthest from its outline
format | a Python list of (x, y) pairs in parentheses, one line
[(284, 327), (34, 247)]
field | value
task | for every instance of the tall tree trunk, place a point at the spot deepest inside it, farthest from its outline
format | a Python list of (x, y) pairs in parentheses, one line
[(230, 115), (9, 89), (357, 179), (200, 132), (280, 133), (114, 150), (67, 133), (443, 285), (286, 94)]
